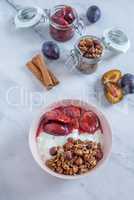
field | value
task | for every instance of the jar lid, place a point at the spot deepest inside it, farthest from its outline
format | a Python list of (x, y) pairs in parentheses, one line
[(28, 16), (115, 39)]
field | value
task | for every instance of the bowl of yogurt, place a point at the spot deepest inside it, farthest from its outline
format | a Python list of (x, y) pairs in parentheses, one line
[(70, 139)]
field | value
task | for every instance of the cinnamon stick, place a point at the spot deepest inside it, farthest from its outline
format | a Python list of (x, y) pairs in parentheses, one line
[(38, 74), (40, 69), (38, 61), (35, 70), (54, 79)]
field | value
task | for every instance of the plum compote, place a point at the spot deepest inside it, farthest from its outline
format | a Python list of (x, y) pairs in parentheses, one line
[(61, 23)]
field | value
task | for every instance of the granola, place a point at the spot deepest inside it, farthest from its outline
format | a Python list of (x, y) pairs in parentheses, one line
[(75, 157)]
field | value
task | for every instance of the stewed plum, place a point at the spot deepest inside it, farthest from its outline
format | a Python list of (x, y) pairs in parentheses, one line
[(89, 122), (59, 20), (72, 111), (56, 115), (65, 14), (56, 129), (69, 14), (64, 119)]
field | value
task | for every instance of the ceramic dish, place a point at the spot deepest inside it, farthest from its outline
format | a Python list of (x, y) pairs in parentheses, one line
[(107, 137)]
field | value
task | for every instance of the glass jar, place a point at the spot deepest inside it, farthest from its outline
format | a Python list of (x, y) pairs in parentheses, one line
[(82, 63), (59, 28), (114, 40), (64, 32)]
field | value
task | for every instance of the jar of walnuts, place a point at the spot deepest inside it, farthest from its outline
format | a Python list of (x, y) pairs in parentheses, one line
[(89, 50)]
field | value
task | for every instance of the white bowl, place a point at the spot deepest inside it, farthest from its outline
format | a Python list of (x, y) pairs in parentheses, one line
[(107, 139)]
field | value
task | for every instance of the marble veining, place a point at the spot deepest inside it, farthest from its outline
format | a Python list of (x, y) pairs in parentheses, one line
[(20, 177)]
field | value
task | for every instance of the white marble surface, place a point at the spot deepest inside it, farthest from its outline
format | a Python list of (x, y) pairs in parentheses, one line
[(20, 177)]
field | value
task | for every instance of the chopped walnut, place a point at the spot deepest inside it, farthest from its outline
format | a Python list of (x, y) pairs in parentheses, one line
[(79, 161)]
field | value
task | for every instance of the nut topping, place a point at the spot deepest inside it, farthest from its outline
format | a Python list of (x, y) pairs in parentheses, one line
[(77, 157)]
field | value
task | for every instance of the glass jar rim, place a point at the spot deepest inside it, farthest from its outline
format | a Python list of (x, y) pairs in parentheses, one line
[(58, 26)]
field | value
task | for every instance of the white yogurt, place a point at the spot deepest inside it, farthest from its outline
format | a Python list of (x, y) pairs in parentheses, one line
[(45, 141)]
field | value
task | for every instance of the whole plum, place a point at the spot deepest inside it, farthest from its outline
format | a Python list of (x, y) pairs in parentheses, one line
[(127, 83), (51, 50), (93, 14)]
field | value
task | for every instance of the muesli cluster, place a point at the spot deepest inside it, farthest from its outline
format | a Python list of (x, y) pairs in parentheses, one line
[(75, 157)]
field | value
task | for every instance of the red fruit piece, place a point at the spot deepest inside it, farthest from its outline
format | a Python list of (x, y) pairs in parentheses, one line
[(72, 111), (56, 129), (69, 14), (60, 13), (57, 115), (40, 127), (89, 122), (74, 124), (59, 20)]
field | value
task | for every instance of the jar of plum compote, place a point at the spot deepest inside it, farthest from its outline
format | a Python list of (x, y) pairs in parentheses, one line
[(63, 22)]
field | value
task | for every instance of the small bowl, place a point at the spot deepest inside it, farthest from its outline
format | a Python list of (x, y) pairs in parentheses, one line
[(107, 140)]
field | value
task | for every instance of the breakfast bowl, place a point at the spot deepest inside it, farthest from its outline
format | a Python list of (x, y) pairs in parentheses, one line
[(66, 149)]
